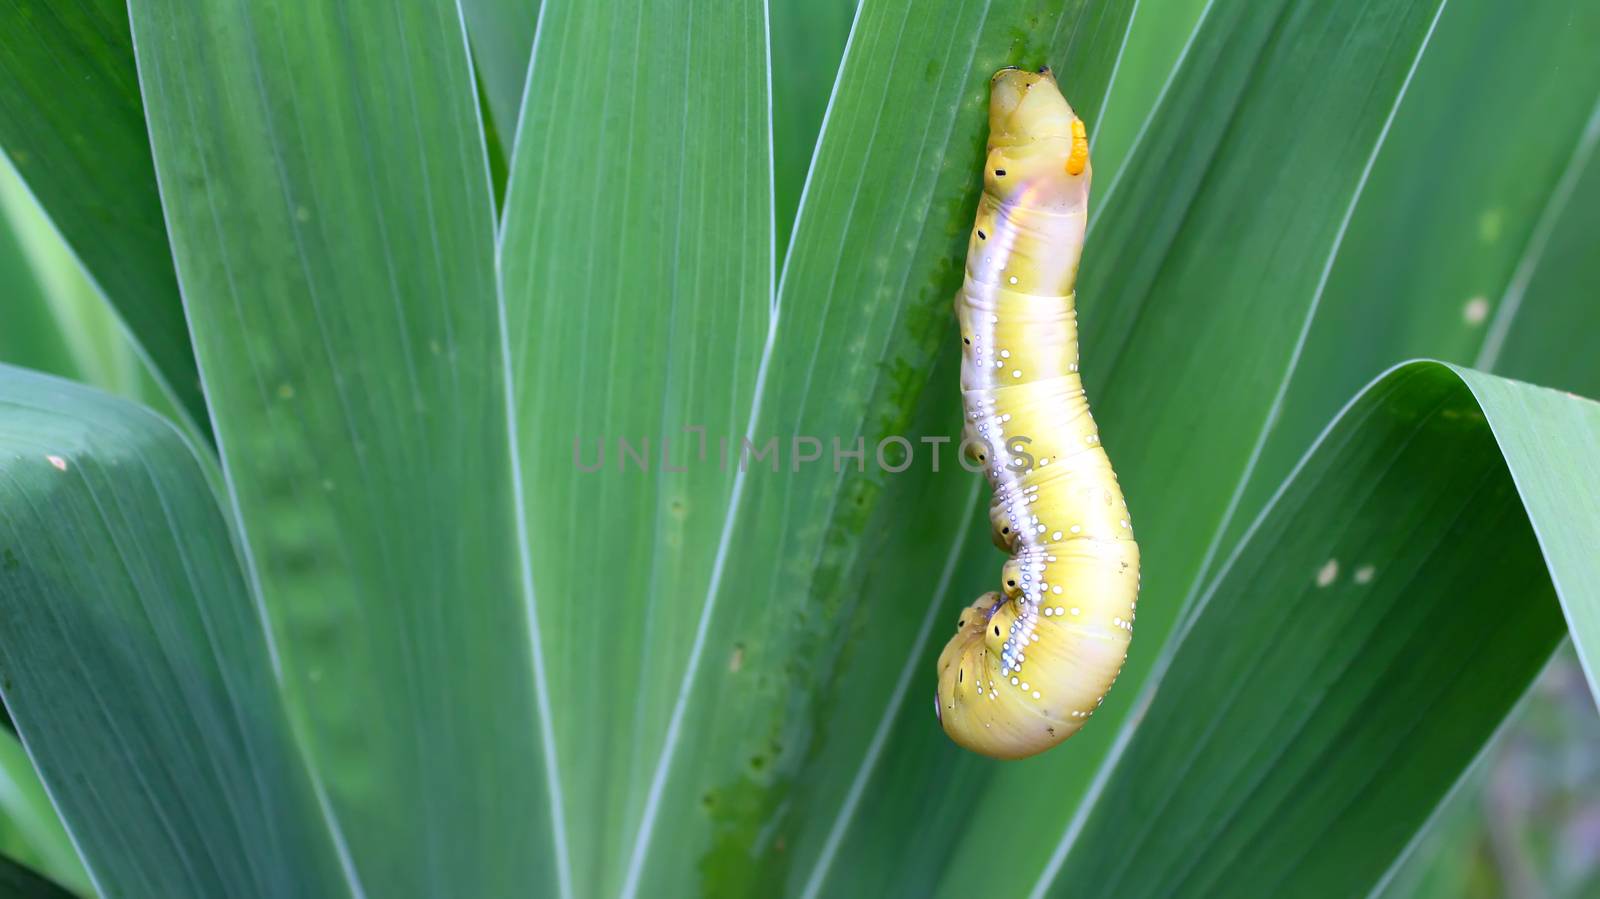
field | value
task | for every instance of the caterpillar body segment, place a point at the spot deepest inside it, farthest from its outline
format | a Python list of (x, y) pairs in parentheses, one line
[(1030, 663)]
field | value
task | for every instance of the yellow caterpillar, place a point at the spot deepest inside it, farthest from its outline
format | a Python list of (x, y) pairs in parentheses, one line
[(1030, 663)]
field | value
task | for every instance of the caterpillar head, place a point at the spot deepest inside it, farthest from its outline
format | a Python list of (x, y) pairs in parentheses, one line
[(1037, 141)]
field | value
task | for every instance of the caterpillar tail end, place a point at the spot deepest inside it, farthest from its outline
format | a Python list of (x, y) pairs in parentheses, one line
[(973, 711)]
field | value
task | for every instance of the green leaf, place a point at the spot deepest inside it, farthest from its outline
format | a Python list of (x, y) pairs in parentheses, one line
[(808, 39), (502, 35), (1353, 656), (862, 312), (328, 199), (32, 336), (84, 153), (18, 882), (134, 662), (57, 321), (29, 817), (638, 263), (1527, 792), (1160, 35), (1487, 176), (1545, 329)]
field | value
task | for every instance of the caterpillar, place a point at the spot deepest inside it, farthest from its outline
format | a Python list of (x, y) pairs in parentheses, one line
[(1030, 663)]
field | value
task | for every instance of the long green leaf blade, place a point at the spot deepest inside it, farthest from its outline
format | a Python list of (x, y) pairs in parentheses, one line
[(325, 185), (84, 152), (32, 336), (1545, 329), (57, 321), (638, 264), (134, 661), (1160, 35), (1367, 638)]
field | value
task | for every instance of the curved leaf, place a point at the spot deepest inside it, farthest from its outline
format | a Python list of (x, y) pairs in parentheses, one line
[(134, 661), (1450, 236), (1380, 619)]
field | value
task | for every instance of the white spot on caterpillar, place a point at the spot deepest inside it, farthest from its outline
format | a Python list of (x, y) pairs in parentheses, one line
[(1327, 573), (1364, 574), (1056, 536), (1005, 354), (1076, 529), (59, 463), (1056, 589), (1074, 610), (1476, 312), (1035, 694), (1013, 279), (1017, 373)]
